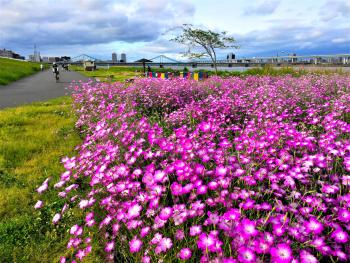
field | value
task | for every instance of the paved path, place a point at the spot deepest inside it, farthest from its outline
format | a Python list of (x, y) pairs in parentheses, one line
[(38, 87)]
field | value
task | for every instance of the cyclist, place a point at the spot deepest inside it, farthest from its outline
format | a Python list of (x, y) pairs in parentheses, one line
[(55, 71)]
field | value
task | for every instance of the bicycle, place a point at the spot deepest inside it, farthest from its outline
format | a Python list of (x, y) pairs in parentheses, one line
[(57, 74)]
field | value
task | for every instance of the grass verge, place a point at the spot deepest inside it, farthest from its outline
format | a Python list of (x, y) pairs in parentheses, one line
[(12, 70), (112, 74), (33, 139)]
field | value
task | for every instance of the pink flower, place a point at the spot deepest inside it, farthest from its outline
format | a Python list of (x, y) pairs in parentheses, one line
[(340, 236), (176, 188), (314, 226), (220, 171), (246, 255), (165, 244), (76, 230), (144, 231), (281, 253), (160, 176), (306, 257), (344, 215), (206, 242), (248, 228), (201, 190), (166, 213), (39, 204), (195, 230), (204, 126), (146, 259), (109, 246), (156, 239), (134, 211), (179, 235), (42, 188), (185, 254), (135, 245), (81, 254), (56, 218)]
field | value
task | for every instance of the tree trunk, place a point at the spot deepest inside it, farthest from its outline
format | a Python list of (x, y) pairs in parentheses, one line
[(215, 65)]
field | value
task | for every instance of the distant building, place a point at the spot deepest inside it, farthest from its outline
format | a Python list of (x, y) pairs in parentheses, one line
[(231, 56), (45, 59), (10, 54), (35, 57), (114, 58), (123, 58), (52, 59)]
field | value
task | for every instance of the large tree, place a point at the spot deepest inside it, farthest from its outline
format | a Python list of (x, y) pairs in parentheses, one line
[(206, 40)]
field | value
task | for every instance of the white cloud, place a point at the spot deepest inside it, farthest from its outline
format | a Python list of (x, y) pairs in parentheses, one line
[(71, 22), (265, 7)]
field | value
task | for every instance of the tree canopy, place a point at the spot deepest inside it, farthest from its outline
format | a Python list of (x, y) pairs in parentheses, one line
[(207, 40)]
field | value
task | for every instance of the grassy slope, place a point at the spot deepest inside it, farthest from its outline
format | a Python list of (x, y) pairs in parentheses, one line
[(11, 70), (33, 139)]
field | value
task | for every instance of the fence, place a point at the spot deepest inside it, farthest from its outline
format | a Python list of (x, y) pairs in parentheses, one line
[(186, 75)]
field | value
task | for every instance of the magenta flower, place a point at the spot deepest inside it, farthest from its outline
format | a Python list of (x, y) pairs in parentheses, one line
[(282, 253), (135, 245), (248, 228), (145, 231), (185, 254), (220, 171), (340, 236), (195, 230), (179, 235), (166, 213), (306, 257), (109, 246), (344, 215), (204, 126), (314, 226), (165, 244), (134, 211), (201, 190), (206, 242), (234, 157), (246, 255), (146, 259)]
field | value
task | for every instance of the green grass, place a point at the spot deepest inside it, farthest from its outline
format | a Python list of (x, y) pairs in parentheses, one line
[(112, 74), (119, 73), (33, 139), (12, 70)]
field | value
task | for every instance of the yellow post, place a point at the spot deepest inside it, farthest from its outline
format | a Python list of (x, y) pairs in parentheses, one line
[(195, 76)]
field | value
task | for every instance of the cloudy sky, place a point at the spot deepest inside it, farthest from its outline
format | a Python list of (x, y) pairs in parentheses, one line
[(137, 27)]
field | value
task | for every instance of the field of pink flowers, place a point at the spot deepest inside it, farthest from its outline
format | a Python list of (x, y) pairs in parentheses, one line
[(253, 169)]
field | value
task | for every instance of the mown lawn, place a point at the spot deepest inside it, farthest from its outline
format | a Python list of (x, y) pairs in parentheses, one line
[(33, 139), (12, 70)]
